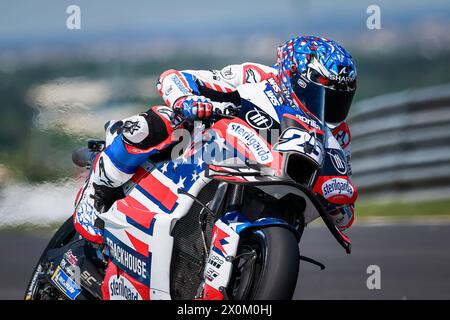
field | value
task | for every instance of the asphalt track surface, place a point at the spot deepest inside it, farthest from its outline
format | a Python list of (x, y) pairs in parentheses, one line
[(414, 261)]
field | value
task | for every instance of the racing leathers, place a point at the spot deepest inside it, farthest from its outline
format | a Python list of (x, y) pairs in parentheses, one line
[(131, 141)]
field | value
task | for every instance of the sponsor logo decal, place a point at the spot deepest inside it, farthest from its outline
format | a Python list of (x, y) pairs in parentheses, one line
[(69, 262), (65, 284), (310, 122), (128, 260), (122, 289), (342, 76), (301, 83), (339, 163), (102, 172), (259, 119), (256, 145), (168, 90), (211, 274), (215, 261), (337, 186), (250, 76), (272, 97), (215, 75), (342, 138), (131, 126), (70, 257), (180, 84), (88, 279), (274, 85), (227, 74), (165, 112)]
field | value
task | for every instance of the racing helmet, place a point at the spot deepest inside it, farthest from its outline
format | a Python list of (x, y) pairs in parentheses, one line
[(312, 69)]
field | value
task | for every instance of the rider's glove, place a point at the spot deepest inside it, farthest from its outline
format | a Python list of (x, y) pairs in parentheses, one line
[(194, 107)]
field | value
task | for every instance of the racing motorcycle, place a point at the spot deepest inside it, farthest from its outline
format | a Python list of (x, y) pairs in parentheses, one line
[(221, 221)]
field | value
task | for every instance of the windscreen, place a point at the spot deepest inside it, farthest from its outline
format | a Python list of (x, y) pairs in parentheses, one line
[(311, 96)]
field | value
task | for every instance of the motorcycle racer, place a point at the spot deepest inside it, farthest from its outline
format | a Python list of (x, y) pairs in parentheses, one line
[(300, 61)]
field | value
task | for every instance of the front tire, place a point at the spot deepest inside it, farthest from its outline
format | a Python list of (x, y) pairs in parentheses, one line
[(268, 267)]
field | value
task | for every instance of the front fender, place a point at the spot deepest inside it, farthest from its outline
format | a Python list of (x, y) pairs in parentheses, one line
[(240, 223)]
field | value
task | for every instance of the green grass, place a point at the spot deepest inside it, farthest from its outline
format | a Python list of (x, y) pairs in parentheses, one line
[(45, 230), (404, 209)]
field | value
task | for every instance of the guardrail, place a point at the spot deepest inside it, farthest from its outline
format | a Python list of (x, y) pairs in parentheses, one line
[(401, 145)]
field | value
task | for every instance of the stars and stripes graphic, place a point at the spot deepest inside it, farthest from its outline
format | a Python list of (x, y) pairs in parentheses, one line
[(217, 87), (219, 240), (155, 194)]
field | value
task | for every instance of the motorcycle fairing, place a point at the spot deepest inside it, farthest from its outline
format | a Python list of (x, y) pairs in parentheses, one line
[(118, 285), (308, 124), (264, 96), (301, 133), (333, 182), (260, 95), (141, 223), (130, 253), (245, 150), (336, 189)]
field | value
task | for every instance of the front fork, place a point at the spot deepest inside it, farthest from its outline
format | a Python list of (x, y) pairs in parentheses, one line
[(219, 267), (225, 243)]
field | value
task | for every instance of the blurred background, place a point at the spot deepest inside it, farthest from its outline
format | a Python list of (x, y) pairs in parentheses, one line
[(59, 86)]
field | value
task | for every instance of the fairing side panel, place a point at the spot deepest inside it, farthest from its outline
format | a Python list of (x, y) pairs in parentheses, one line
[(141, 223)]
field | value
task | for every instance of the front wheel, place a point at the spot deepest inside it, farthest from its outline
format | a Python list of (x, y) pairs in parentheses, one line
[(267, 267)]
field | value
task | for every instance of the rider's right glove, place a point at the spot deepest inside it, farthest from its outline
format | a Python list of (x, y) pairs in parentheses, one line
[(194, 107)]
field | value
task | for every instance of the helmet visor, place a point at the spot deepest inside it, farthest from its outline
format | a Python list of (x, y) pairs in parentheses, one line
[(337, 105)]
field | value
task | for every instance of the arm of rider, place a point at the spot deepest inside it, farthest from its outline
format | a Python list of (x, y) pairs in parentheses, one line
[(192, 91)]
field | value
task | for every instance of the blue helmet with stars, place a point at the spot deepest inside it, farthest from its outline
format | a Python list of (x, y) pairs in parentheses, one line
[(313, 69)]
